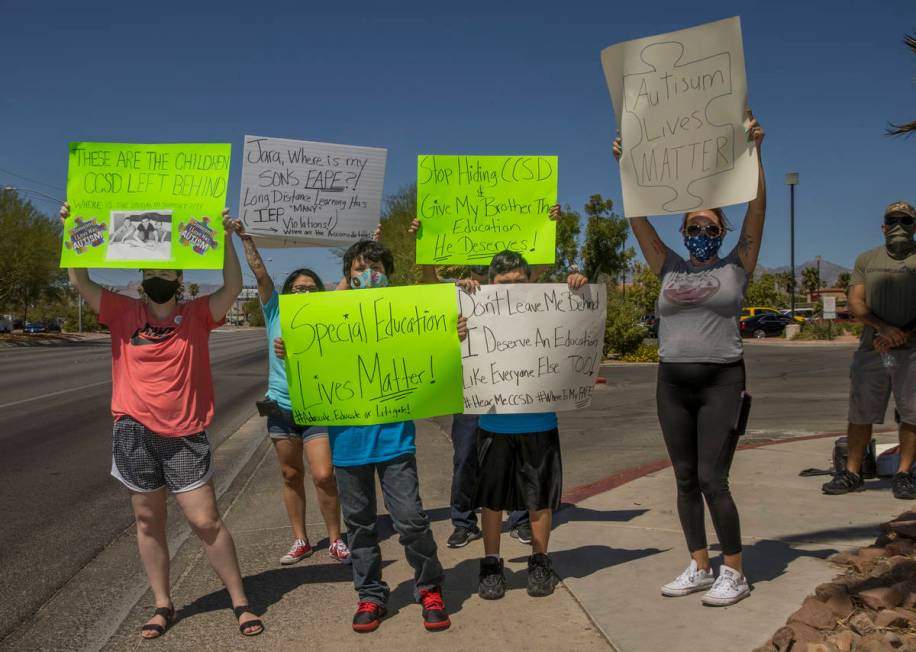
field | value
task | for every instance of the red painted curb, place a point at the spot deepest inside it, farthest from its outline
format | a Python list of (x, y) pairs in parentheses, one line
[(581, 492)]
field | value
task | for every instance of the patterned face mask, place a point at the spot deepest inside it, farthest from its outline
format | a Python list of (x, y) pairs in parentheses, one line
[(369, 278), (702, 247)]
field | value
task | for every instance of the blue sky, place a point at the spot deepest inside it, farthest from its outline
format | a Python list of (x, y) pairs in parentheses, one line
[(824, 79)]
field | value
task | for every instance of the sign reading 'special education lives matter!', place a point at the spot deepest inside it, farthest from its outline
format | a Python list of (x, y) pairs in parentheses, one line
[(297, 193), (681, 101), (146, 206), (363, 357), (532, 347), (473, 207)]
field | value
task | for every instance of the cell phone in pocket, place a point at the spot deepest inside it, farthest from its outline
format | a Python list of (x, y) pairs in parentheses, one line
[(268, 408), (744, 411)]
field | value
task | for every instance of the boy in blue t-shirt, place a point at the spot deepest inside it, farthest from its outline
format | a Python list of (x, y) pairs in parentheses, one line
[(389, 451), (520, 468)]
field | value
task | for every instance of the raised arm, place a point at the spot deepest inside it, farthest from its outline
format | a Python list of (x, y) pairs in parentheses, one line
[(255, 262), (79, 276), (752, 229), (652, 247), (223, 298)]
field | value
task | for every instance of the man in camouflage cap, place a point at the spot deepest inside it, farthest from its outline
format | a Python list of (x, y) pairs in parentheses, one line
[(882, 295)]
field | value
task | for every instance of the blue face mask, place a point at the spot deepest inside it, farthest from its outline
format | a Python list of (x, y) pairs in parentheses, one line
[(369, 278), (702, 247)]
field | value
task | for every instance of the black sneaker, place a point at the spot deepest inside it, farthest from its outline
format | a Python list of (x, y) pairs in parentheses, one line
[(541, 578), (435, 617), (843, 483), (462, 536), (368, 616), (902, 484), (492, 584), (522, 532)]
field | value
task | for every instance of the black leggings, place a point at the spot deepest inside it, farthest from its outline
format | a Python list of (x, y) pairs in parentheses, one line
[(698, 405)]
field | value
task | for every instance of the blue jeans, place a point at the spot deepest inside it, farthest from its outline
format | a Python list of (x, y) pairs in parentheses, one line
[(464, 474), (401, 493)]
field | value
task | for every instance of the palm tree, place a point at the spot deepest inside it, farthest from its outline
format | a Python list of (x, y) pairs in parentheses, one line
[(909, 127)]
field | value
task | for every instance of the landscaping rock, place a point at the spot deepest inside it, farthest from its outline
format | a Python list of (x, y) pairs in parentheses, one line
[(845, 641), (861, 624), (890, 618), (874, 643), (803, 634), (821, 647), (829, 589), (814, 613), (782, 639), (881, 598), (840, 605)]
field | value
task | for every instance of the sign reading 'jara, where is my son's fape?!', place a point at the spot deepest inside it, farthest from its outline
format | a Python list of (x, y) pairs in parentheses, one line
[(298, 193), (531, 347), (148, 206), (681, 100), (363, 357), (473, 207)]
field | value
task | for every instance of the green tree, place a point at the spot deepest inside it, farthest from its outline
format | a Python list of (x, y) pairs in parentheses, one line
[(909, 127), (569, 226), (811, 280), (29, 255), (842, 281), (399, 210), (604, 251), (623, 332), (762, 291), (784, 281), (645, 289), (253, 314)]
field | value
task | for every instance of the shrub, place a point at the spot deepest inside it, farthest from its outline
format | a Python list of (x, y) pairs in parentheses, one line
[(252, 311), (623, 332), (644, 353)]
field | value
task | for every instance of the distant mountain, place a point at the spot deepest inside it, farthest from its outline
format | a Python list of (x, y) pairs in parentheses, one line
[(829, 271)]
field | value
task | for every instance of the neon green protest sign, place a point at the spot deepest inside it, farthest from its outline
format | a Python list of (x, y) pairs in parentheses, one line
[(152, 206), (473, 207), (363, 357)]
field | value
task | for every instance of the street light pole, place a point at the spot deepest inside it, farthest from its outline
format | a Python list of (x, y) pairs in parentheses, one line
[(792, 181)]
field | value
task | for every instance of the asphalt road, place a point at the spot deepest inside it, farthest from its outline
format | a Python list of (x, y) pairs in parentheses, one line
[(61, 507), (58, 503)]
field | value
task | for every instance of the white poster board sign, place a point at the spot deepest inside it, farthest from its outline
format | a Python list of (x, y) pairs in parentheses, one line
[(531, 347), (681, 100), (829, 311), (297, 193)]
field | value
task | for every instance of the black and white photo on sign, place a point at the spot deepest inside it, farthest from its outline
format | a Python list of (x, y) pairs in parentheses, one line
[(531, 347), (140, 235)]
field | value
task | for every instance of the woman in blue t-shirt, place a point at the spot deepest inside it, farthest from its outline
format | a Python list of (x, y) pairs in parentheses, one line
[(289, 438), (701, 377)]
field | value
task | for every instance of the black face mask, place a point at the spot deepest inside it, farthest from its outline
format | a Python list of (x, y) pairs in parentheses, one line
[(159, 290)]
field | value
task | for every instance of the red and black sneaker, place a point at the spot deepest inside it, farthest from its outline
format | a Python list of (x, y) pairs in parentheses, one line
[(435, 618), (368, 616)]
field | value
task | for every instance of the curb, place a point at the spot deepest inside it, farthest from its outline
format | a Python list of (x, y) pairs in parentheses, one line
[(579, 493), (116, 570)]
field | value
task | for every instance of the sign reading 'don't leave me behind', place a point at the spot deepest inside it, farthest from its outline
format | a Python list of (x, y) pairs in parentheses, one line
[(363, 357), (532, 347), (297, 193), (473, 207), (146, 206), (681, 101)]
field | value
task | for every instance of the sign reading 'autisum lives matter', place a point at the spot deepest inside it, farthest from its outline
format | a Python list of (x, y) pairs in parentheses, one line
[(531, 347), (297, 193), (681, 101)]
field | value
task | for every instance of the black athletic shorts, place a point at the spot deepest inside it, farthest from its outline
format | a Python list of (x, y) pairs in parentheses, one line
[(519, 471)]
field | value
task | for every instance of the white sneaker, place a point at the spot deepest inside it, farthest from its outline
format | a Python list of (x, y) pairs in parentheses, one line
[(730, 587), (690, 581)]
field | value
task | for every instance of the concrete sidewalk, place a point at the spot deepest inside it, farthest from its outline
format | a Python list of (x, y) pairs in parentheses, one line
[(613, 550), (616, 549)]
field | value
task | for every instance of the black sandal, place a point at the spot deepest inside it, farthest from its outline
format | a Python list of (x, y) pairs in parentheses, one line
[(242, 609), (168, 613)]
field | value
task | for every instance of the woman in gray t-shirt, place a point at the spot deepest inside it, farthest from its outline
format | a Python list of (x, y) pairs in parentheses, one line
[(701, 377)]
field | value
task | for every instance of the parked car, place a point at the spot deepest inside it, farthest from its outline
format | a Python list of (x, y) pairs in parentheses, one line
[(805, 313), (17, 324), (650, 321), (765, 325), (753, 311), (34, 327), (6, 325), (53, 326)]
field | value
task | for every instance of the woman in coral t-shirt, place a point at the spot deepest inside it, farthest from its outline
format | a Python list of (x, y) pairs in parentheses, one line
[(162, 403)]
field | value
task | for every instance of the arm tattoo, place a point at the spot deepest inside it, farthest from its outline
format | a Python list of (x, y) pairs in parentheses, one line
[(254, 258), (745, 243), (659, 246)]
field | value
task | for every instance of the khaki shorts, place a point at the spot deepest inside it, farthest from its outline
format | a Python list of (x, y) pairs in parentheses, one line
[(872, 381)]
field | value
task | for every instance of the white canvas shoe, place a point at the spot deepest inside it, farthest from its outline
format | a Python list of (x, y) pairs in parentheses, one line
[(690, 581), (730, 587)]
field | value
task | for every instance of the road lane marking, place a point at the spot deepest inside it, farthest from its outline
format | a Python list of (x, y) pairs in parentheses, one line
[(63, 391)]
